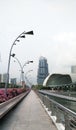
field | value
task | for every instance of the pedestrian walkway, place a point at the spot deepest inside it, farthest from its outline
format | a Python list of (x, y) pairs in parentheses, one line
[(28, 115)]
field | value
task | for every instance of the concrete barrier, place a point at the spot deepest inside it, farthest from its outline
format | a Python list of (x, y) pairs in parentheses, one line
[(5, 107)]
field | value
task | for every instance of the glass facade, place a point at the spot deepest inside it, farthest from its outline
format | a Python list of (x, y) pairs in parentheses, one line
[(42, 70)]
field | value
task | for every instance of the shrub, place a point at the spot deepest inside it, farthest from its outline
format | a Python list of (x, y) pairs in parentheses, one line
[(11, 92)]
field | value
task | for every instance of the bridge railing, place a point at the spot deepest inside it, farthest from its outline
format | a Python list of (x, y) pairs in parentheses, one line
[(63, 115)]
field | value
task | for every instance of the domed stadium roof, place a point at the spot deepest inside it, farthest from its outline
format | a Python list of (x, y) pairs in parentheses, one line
[(57, 79)]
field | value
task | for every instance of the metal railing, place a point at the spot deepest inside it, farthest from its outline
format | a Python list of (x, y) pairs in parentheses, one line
[(63, 114)]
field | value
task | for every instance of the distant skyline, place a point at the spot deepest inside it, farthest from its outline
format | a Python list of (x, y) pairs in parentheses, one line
[(54, 26)]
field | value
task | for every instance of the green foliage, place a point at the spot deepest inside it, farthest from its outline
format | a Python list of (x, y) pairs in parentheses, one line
[(38, 87), (64, 88), (2, 85)]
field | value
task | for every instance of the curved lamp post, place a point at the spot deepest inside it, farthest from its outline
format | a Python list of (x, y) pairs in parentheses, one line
[(28, 72), (22, 35), (27, 78), (22, 67)]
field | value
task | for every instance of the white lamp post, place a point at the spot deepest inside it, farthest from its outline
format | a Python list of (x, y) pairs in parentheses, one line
[(22, 35)]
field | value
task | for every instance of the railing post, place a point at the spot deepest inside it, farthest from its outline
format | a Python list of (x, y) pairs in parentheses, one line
[(58, 115), (42, 99), (46, 101), (52, 109), (48, 104), (67, 122)]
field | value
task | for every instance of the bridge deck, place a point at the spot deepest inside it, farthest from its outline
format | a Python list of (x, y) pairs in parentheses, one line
[(28, 115)]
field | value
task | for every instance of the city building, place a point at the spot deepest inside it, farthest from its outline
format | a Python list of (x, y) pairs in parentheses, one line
[(57, 80), (13, 81), (42, 70), (73, 69), (4, 78), (73, 73), (0, 78)]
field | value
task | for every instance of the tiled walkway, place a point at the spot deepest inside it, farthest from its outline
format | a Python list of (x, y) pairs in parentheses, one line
[(28, 115)]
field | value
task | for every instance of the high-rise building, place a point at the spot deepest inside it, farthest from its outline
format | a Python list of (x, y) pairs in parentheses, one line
[(42, 70)]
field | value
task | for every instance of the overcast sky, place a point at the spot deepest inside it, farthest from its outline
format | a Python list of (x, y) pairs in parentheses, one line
[(54, 26)]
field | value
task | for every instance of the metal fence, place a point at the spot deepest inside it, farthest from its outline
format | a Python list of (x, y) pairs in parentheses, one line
[(63, 114)]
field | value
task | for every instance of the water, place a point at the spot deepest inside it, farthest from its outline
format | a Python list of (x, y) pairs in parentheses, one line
[(67, 103)]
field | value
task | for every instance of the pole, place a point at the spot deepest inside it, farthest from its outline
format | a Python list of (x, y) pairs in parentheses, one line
[(22, 35), (7, 79), (22, 67)]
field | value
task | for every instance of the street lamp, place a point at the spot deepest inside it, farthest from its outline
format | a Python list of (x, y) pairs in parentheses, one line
[(22, 67), (22, 35), (27, 78), (28, 72)]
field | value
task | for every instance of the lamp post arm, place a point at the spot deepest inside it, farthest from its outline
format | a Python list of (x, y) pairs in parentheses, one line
[(20, 68), (19, 63), (27, 80), (10, 53), (25, 64), (28, 72), (15, 43)]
